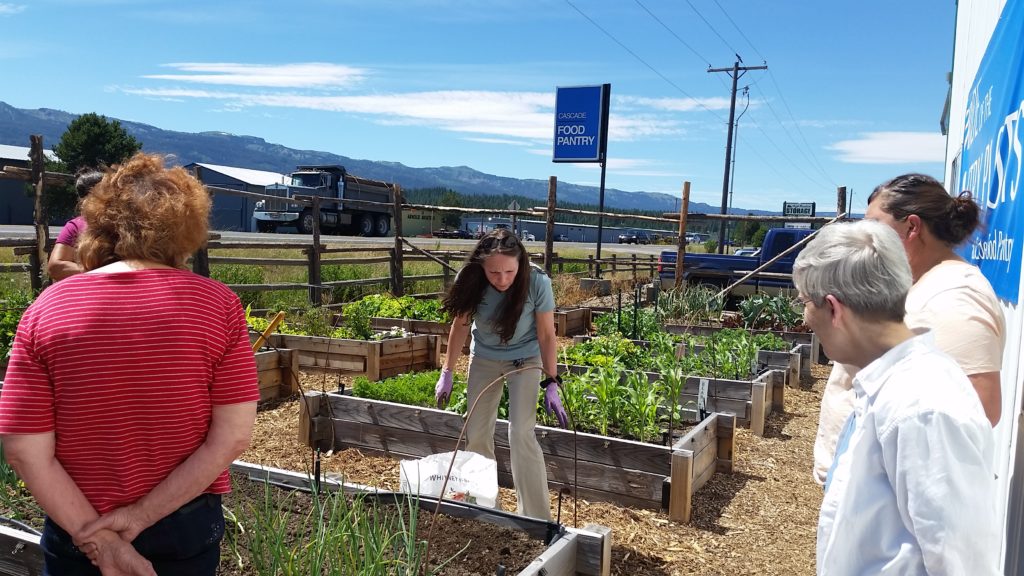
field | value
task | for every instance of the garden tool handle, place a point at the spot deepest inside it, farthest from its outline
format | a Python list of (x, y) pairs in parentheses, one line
[(270, 330)]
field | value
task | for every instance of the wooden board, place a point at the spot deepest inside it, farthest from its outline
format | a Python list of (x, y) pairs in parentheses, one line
[(20, 553)]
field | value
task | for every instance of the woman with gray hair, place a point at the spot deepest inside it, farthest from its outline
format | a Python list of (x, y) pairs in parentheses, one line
[(909, 491)]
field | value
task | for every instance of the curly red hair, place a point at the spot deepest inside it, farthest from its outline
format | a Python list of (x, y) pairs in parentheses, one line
[(141, 210)]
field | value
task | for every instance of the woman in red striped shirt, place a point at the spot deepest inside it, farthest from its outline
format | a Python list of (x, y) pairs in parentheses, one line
[(132, 387)]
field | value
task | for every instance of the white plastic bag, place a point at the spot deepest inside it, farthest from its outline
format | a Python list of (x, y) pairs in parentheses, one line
[(474, 478)]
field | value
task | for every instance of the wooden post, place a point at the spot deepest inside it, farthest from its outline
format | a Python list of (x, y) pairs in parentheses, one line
[(447, 273), (679, 505), (39, 213), (634, 267), (615, 263), (590, 265), (201, 262), (549, 231), (759, 402), (398, 278), (684, 208), (316, 296), (840, 200), (726, 437)]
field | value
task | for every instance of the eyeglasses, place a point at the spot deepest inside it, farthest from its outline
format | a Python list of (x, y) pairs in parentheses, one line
[(804, 301)]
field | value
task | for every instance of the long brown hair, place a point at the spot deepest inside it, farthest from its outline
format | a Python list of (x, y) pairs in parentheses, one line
[(949, 219), (468, 289)]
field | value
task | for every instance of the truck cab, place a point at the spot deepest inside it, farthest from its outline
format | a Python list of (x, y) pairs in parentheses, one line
[(333, 182), (721, 270)]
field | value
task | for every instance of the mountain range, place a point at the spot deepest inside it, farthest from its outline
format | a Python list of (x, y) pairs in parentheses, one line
[(16, 124)]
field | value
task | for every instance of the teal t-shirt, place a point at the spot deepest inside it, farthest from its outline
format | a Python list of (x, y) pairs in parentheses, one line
[(486, 341)]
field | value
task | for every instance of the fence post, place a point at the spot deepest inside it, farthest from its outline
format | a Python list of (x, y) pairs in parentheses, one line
[(590, 265), (35, 271), (549, 232), (398, 275), (447, 273), (684, 208), (39, 211), (634, 267), (615, 263), (201, 262), (316, 296)]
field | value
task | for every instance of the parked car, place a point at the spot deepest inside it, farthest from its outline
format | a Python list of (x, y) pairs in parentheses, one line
[(528, 237), (634, 237), (562, 238), (747, 252), (457, 233)]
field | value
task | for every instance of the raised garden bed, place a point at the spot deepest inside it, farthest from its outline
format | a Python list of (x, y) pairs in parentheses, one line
[(376, 359), (790, 362), (570, 322), (278, 372), (804, 343), (750, 401), (596, 467)]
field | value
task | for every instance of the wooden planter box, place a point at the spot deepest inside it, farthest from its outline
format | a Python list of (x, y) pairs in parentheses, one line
[(375, 359), (572, 322), (439, 329), (585, 552), (750, 401), (278, 372), (598, 468), (20, 553)]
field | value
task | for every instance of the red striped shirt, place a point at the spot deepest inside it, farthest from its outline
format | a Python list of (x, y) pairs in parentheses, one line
[(125, 368)]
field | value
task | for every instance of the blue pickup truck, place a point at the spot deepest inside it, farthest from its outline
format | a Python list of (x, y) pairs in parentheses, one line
[(721, 270)]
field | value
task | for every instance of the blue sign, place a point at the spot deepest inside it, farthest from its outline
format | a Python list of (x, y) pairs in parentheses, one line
[(991, 162), (581, 115)]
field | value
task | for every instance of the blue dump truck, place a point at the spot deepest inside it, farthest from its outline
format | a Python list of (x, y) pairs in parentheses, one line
[(721, 270)]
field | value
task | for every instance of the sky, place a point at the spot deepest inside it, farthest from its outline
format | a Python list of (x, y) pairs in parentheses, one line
[(852, 96)]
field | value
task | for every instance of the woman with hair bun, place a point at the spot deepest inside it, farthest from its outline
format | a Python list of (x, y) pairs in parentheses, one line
[(949, 296), (132, 386)]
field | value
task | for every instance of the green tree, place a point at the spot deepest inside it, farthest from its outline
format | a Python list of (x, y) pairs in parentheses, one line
[(90, 141), (758, 238), (451, 219)]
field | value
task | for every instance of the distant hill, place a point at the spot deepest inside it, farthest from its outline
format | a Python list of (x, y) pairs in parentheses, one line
[(17, 124)]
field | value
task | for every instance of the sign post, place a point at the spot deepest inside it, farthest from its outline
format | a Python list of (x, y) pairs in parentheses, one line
[(581, 135)]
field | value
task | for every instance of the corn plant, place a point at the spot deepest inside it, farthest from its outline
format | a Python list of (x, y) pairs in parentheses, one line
[(577, 400), (673, 379), (639, 412), (606, 397)]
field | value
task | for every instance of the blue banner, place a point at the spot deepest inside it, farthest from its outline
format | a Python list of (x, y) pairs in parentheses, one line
[(579, 124), (992, 155)]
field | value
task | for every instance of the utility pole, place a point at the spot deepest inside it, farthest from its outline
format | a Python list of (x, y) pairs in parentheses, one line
[(735, 72)]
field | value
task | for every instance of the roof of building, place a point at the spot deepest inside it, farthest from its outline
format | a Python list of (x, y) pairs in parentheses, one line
[(254, 177), (21, 152)]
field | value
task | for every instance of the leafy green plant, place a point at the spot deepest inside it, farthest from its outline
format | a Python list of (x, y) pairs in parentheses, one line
[(770, 312), (691, 304), (13, 302), (613, 350), (639, 407), (647, 323), (414, 389)]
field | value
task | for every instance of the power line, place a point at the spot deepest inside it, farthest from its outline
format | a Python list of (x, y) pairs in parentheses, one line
[(788, 159), (679, 38), (813, 159), (642, 61), (720, 37)]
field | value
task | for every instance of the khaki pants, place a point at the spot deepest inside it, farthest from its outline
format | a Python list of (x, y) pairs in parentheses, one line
[(528, 471)]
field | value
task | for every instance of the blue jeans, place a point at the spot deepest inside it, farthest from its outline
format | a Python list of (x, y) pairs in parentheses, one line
[(186, 542)]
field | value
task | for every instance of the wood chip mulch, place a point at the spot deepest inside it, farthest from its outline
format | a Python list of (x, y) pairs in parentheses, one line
[(761, 519)]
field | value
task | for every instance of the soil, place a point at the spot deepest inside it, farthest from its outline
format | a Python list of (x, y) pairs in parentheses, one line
[(762, 519)]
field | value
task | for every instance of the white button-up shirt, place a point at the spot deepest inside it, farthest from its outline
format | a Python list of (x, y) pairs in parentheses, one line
[(914, 492)]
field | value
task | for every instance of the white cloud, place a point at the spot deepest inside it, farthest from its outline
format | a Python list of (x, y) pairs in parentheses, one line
[(892, 148), (299, 75), (676, 104), (500, 141), (483, 114), (11, 9)]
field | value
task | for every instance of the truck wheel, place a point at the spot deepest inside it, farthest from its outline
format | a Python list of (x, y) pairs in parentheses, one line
[(306, 222), (383, 225), (264, 226), (366, 227)]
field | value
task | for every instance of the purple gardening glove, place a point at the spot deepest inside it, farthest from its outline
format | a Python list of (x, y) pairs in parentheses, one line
[(552, 403), (443, 389)]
